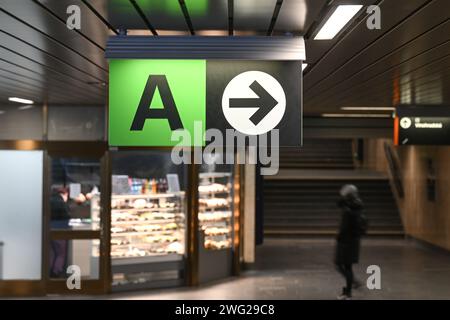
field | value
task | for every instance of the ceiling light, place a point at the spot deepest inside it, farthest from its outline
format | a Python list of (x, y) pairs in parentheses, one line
[(337, 21), (368, 108), (355, 115), (25, 107), (20, 100)]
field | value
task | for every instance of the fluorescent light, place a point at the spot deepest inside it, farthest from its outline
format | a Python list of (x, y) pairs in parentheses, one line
[(304, 66), (337, 21), (25, 107), (355, 115), (368, 108), (20, 100)]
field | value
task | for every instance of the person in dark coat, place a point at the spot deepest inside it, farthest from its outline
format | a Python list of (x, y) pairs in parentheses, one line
[(348, 238)]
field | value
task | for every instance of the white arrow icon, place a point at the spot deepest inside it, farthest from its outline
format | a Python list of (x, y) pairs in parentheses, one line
[(254, 102)]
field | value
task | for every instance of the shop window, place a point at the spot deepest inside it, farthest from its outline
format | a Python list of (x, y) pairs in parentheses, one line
[(21, 122), (75, 196), (148, 220), (21, 175), (78, 123)]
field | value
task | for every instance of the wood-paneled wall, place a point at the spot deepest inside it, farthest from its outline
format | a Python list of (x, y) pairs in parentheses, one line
[(423, 219)]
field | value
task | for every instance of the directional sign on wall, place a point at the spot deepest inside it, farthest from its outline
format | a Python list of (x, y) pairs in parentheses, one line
[(150, 99), (422, 125)]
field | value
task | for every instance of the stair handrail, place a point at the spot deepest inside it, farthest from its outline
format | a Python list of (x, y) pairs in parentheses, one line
[(394, 168)]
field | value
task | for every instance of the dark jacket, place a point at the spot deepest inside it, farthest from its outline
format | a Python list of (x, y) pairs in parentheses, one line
[(348, 239), (59, 209)]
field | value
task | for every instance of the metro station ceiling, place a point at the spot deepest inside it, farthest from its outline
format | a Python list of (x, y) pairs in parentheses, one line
[(407, 61)]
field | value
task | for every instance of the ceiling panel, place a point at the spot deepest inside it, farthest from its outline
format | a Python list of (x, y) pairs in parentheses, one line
[(20, 48), (208, 15), (120, 14), (23, 65), (429, 46), (165, 14), (91, 26), (44, 84), (162, 14), (354, 40), (26, 67), (46, 24), (297, 16), (428, 78), (253, 15), (13, 32), (432, 91), (410, 31)]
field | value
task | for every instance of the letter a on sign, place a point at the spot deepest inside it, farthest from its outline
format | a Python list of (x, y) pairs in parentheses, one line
[(169, 111), (150, 100)]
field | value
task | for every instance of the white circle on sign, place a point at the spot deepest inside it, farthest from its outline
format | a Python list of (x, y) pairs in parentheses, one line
[(405, 123), (239, 114)]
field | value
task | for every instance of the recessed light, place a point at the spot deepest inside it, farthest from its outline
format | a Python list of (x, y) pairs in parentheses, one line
[(20, 100), (368, 108), (337, 21), (355, 115)]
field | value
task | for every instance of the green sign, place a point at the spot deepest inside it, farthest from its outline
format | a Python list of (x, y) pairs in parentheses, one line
[(150, 99)]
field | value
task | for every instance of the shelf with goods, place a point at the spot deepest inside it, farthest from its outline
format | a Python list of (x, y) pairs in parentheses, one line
[(215, 210), (149, 224)]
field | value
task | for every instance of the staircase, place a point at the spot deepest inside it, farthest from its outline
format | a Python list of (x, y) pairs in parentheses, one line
[(308, 207), (302, 198), (318, 154)]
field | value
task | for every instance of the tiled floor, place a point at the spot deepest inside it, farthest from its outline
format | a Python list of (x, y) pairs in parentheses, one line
[(303, 269)]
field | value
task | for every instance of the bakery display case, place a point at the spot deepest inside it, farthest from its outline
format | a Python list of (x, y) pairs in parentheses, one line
[(147, 225), (215, 221), (148, 221), (215, 209)]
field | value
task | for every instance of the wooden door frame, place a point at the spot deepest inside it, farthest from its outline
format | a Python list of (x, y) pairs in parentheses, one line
[(92, 150)]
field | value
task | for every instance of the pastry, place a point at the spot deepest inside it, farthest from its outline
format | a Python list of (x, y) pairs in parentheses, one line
[(213, 203), (216, 231), (215, 187), (117, 229), (170, 226), (175, 247), (139, 203)]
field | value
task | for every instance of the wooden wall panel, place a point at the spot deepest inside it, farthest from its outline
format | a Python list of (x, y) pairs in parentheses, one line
[(423, 219)]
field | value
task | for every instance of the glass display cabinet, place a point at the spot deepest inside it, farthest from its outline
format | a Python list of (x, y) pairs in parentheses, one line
[(148, 220), (215, 220)]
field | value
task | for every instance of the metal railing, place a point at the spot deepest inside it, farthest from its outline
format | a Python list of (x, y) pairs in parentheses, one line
[(394, 168)]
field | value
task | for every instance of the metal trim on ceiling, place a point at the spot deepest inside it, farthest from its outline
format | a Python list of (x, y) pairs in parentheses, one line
[(206, 47)]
